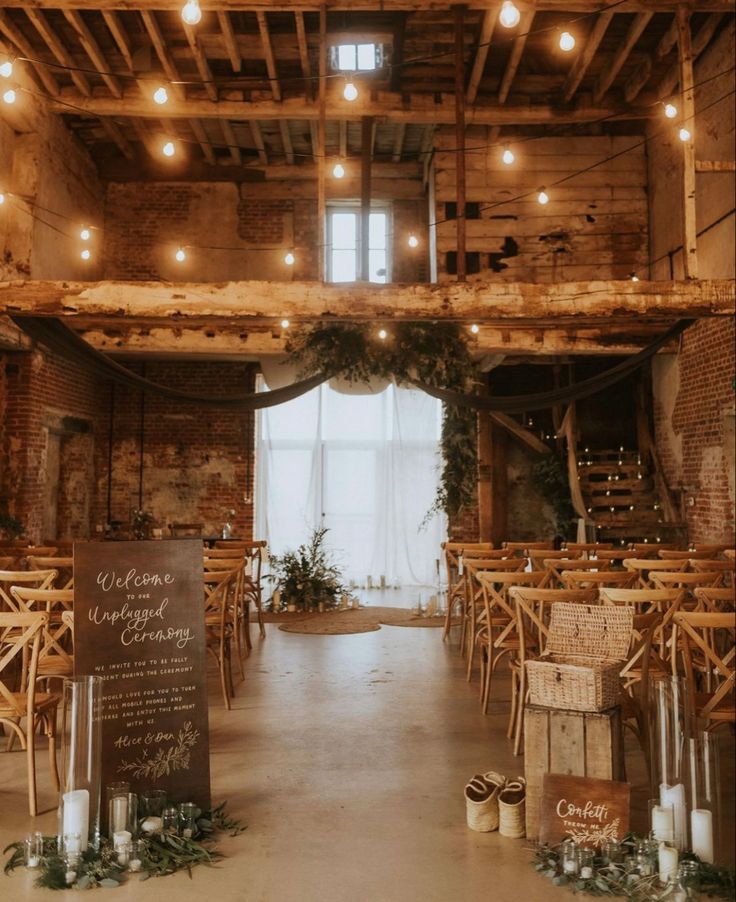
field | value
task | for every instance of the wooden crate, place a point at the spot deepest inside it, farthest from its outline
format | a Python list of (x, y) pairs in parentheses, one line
[(580, 743)]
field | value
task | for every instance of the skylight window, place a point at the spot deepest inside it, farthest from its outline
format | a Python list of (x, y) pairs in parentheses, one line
[(356, 57)]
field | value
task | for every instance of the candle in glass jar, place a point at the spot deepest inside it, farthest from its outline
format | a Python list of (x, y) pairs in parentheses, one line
[(663, 823), (118, 813), (76, 815), (668, 858), (675, 796), (701, 826)]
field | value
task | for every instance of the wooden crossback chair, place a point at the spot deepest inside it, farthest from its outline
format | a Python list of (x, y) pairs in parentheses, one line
[(708, 652), (38, 708), (219, 592), (240, 603), (716, 601), (666, 579), (474, 593), (37, 579), (531, 610), (587, 579), (554, 568), (587, 547), (456, 578), (667, 554), (650, 549), (725, 568), (254, 552), (615, 556), (522, 549), (715, 548), (56, 656), (495, 633), (64, 565), (645, 569)]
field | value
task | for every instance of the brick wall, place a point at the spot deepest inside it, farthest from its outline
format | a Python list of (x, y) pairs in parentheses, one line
[(694, 427)]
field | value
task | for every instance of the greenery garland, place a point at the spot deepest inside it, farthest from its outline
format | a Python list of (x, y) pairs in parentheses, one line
[(616, 880), (435, 353), (163, 853)]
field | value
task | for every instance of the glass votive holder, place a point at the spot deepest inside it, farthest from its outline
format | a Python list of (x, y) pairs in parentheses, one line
[(151, 802), (662, 820), (569, 857), (33, 850), (72, 844), (611, 852), (585, 863), (171, 820), (188, 819), (688, 879), (122, 812), (136, 855), (121, 843), (646, 857), (71, 863)]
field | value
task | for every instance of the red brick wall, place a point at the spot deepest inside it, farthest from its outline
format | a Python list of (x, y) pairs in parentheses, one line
[(694, 423)]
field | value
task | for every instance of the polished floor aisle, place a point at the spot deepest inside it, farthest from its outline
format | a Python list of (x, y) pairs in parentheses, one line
[(346, 756)]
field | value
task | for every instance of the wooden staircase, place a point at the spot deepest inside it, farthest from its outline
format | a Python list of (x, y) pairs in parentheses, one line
[(620, 497)]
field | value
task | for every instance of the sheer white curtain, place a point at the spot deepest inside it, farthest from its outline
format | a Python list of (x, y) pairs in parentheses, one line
[(366, 466)]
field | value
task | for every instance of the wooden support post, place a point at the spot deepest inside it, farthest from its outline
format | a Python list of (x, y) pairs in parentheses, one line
[(485, 473), (366, 147), (460, 139), (321, 145), (687, 94), (499, 487)]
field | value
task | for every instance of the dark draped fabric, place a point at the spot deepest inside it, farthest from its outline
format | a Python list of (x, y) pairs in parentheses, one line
[(543, 400), (57, 336)]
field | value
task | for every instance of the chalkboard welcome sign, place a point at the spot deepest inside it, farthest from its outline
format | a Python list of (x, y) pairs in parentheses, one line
[(139, 624)]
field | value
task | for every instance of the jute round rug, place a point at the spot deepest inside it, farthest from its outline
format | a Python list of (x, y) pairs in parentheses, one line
[(361, 620)]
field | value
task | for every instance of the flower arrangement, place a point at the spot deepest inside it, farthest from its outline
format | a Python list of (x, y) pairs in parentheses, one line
[(306, 577)]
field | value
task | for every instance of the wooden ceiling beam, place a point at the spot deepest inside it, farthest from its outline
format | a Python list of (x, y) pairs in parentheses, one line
[(231, 42), (62, 55), (699, 42), (116, 134), (286, 141), (342, 139), (481, 54), (301, 37), (557, 302), (398, 147), (232, 142), (585, 57), (397, 54), (93, 51), (200, 61), (201, 135), (527, 17), (641, 75), (162, 52), (424, 109), (17, 38), (615, 64), (255, 130), (384, 6), (120, 36), (271, 69)]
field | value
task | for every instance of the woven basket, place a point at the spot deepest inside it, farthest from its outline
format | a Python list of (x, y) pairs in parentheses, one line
[(512, 809), (567, 675), (481, 804)]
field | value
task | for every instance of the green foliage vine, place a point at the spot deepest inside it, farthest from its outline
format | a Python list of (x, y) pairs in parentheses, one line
[(434, 353)]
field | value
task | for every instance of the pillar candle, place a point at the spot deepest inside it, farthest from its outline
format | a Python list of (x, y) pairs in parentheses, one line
[(76, 814), (675, 796), (668, 859), (121, 838), (701, 826), (663, 823), (119, 813)]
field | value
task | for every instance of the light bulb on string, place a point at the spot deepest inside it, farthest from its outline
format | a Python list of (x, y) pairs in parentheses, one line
[(168, 149), (567, 41), (6, 69), (191, 12), (412, 241), (9, 96), (2, 198), (285, 323), (509, 16), (180, 255), (86, 254), (633, 277), (475, 328), (670, 110), (508, 156), (338, 170), (350, 92), (85, 233), (543, 197), (684, 134), (382, 334), (289, 259), (160, 96)]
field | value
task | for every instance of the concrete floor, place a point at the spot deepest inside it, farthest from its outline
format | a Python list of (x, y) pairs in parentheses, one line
[(347, 757)]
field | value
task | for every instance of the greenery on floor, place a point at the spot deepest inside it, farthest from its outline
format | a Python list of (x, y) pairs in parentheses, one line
[(435, 353), (160, 854), (306, 577)]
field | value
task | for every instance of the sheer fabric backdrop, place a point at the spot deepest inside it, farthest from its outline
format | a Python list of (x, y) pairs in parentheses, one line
[(366, 466)]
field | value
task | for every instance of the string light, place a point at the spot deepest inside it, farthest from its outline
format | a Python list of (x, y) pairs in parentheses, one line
[(191, 13), (86, 254), (289, 259), (85, 234), (6, 69), (567, 41), (2, 198), (508, 156), (285, 324), (168, 150), (180, 255), (633, 277), (543, 197), (9, 96), (475, 328), (509, 16), (412, 241), (684, 134), (350, 92), (338, 170), (670, 110), (382, 334), (160, 95)]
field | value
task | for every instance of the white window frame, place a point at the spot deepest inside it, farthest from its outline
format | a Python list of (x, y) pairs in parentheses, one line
[(354, 207)]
